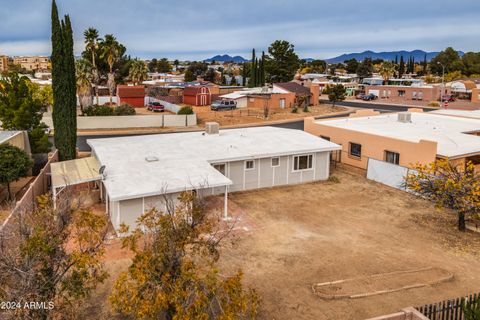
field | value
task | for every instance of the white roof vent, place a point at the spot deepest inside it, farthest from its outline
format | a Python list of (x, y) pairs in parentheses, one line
[(212, 128), (151, 159), (404, 117)]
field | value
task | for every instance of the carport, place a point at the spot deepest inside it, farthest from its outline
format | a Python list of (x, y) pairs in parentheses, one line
[(74, 172)]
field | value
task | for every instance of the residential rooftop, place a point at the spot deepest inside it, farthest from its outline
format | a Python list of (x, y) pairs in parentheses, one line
[(5, 135), (139, 166), (452, 133)]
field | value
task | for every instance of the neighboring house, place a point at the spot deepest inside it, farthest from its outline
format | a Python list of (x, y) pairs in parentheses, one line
[(18, 139), (261, 98), (465, 89), (197, 95), (310, 93), (402, 93), (405, 138), (140, 172), (132, 95), (32, 63), (3, 63)]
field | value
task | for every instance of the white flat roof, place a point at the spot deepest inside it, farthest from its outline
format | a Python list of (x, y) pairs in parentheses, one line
[(450, 133), (473, 114), (184, 159)]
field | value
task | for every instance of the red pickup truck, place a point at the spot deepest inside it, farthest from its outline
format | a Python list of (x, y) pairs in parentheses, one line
[(155, 106)]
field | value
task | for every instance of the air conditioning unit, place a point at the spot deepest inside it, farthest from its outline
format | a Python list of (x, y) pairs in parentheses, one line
[(404, 117), (212, 127)]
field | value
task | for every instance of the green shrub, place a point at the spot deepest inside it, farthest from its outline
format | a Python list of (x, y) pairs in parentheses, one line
[(185, 110), (434, 104), (98, 111), (295, 109), (124, 110), (334, 179)]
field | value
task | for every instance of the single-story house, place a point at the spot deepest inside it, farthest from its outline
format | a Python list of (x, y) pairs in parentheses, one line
[(404, 138), (402, 93), (311, 93), (140, 172), (261, 97), (132, 95), (197, 95)]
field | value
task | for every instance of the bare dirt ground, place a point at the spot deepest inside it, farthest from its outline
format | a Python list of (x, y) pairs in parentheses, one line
[(324, 231), (289, 238), (246, 116)]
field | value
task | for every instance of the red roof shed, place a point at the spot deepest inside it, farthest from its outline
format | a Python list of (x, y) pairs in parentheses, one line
[(197, 96)]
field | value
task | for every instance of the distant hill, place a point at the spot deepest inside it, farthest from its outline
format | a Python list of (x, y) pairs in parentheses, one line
[(387, 55), (226, 58)]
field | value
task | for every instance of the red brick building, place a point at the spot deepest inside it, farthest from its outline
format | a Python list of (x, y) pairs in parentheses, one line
[(132, 95), (197, 96)]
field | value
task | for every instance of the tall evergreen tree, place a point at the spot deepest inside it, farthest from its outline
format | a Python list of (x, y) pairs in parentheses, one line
[(396, 59), (425, 64), (244, 74), (401, 68), (262, 70), (64, 86), (253, 74)]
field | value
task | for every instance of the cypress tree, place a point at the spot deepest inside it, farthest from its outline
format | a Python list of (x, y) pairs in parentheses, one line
[(64, 89), (425, 64), (253, 72), (262, 69), (244, 74), (257, 73), (401, 69), (396, 59)]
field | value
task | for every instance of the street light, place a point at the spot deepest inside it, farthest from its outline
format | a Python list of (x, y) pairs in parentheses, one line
[(443, 87)]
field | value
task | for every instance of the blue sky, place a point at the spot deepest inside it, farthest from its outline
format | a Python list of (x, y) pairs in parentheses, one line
[(194, 29)]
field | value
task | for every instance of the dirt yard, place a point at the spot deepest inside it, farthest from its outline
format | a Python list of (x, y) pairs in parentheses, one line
[(290, 239), (246, 116), (314, 233)]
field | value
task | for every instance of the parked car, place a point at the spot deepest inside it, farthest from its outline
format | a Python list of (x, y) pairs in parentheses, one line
[(370, 97), (223, 105), (448, 98), (155, 107), (360, 96)]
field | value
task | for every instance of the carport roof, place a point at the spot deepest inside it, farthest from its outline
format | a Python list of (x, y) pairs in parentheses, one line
[(72, 172)]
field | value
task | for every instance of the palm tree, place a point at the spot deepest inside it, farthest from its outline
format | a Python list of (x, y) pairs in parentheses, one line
[(91, 45), (387, 70), (110, 52), (138, 71), (84, 76)]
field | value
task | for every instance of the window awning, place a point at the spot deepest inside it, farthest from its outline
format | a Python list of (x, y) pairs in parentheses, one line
[(72, 172)]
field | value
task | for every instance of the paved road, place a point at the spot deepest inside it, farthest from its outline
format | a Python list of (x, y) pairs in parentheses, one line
[(379, 106)]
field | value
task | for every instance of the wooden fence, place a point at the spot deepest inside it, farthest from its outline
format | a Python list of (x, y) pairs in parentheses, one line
[(39, 186), (449, 309)]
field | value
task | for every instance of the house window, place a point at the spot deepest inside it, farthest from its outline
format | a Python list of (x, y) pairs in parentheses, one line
[(275, 162), (282, 103), (249, 165), (392, 157), (355, 150), (325, 138), (401, 93), (220, 167), (302, 162)]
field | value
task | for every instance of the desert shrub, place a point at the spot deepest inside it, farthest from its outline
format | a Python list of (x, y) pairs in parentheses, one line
[(124, 110), (434, 104), (98, 111), (185, 110), (334, 179)]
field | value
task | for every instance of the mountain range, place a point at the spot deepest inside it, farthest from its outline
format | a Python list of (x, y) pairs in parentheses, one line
[(418, 55), (226, 58)]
